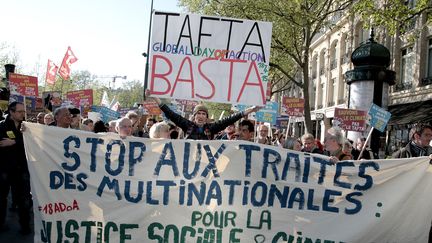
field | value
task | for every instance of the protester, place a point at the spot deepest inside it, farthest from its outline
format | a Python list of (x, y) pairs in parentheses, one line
[(150, 122), (200, 128), (40, 118), (246, 130), (367, 153), (292, 143), (62, 117), (112, 126), (309, 144), (14, 172), (347, 147), (279, 139), (99, 127), (421, 136), (263, 137), (419, 145), (160, 130), (229, 133), (124, 127), (76, 119), (48, 118), (88, 125), (134, 118), (174, 133), (333, 143)]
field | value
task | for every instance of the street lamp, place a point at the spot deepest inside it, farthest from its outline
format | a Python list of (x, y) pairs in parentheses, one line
[(114, 79)]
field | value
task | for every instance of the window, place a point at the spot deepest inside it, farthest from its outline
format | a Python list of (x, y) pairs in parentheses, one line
[(320, 95), (407, 66), (331, 92), (333, 56), (312, 96), (322, 62)]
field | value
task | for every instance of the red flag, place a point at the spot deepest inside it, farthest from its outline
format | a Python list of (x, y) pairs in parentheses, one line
[(51, 72), (68, 59)]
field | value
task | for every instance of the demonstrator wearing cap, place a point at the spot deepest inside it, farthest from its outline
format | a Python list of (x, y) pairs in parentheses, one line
[(199, 128)]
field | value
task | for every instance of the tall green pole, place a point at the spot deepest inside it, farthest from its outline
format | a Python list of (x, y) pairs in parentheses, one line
[(148, 50)]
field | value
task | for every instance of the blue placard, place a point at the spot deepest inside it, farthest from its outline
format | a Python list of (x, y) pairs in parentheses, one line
[(282, 122), (378, 117), (266, 114), (107, 113)]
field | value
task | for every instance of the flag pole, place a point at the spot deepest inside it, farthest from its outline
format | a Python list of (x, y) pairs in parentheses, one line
[(146, 55)]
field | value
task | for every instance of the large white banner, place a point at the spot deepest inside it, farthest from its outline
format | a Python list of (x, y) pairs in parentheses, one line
[(217, 59), (101, 188)]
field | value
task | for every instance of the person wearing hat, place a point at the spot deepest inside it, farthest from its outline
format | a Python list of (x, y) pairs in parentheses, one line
[(199, 128)]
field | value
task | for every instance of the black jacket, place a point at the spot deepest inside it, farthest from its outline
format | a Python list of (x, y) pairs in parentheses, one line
[(12, 156), (192, 131)]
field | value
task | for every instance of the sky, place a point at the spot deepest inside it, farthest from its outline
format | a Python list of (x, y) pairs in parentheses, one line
[(107, 36)]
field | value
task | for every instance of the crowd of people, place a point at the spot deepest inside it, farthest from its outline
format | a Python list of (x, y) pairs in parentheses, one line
[(14, 173)]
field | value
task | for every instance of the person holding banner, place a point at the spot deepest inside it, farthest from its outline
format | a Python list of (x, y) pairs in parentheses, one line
[(199, 128), (160, 130), (309, 144), (14, 172), (62, 117), (421, 136), (124, 127), (292, 143), (333, 142)]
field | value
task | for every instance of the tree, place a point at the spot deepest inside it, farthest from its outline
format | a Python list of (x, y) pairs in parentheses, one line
[(392, 15), (295, 24), (130, 93), (8, 55)]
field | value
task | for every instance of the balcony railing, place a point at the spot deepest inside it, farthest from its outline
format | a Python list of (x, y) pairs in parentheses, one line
[(402, 86), (331, 103), (426, 81)]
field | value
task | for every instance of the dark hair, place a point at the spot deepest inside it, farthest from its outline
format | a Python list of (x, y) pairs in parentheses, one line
[(419, 129), (151, 119), (247, 123), (12, 106), (99, 126)]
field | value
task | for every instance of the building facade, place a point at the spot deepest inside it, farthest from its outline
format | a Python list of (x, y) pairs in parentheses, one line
[(410, 100)]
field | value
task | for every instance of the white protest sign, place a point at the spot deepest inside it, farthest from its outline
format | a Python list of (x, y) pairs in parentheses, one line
[(90, 187), (217, 59)]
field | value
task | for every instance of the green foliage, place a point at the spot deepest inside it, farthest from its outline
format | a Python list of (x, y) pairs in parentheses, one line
[(216, 109), (8, 55), (393, 15)]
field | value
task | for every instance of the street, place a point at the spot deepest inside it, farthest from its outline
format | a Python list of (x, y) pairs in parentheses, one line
[(11, 234)]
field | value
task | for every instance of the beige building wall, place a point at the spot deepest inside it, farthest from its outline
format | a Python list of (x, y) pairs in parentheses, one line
[(330, 56)]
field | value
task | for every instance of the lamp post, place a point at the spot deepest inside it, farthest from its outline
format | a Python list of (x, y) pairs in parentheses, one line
[(146, 55), (114, 79)]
